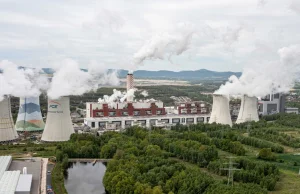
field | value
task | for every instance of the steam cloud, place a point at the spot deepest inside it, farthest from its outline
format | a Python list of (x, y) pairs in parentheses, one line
[(164, 44), (117, 96), (295, 6), (262, 79), (69, 79), (21, 82), (144, 93)]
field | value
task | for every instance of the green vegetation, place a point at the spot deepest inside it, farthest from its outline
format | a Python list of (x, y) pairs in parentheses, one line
[(57, 180)]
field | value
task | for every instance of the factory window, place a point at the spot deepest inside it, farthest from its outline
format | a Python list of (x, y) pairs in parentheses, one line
[(165, 120), (136, 113), (176, 120), (190, 120), (93, 124), (153, 121), (143, 122), (158, 112), (112, 113), (272, 108), (203, 110), (118, 123), (128, 122), (183, 120), (200, 119), (102, 124), (207, 119), (148, 112), (260, 107), (183, 111), (99, 114), (125, 113), (194, 110)]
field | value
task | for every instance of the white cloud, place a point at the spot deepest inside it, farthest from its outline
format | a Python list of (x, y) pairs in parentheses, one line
[(110, 32)]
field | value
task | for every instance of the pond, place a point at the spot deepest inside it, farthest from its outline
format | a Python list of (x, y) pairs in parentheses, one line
[(85, 178)]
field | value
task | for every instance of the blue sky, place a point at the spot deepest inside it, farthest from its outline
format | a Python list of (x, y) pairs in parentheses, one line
[(228, 34)]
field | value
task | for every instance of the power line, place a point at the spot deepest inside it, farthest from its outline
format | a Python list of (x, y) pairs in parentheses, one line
[(231, 169)]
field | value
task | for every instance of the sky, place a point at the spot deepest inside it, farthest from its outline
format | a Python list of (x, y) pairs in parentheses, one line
[(225, 35)]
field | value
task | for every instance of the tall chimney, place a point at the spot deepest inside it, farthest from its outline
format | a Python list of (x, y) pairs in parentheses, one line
[(220, 110), (129, 86)]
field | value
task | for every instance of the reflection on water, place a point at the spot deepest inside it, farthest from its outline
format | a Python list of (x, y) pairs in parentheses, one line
[(85, 178)]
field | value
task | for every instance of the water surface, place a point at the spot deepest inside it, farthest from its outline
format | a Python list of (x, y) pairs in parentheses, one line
[(85, 178)]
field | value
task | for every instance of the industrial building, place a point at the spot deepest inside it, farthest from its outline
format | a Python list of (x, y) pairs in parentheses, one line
[(13, 182), (58, 124), (220, 110), (30, 116), (271, 104), (7, 128), (147, 113)]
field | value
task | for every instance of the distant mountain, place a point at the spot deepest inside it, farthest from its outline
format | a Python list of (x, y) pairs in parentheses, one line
[(201, 74)]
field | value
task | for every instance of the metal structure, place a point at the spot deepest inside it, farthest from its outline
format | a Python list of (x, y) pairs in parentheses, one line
[(58, 124), (7, 127), (248, 110), (30, 116), (220, 110), (230, 170)]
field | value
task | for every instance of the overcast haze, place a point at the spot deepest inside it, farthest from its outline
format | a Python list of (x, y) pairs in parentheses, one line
[(227, 34)]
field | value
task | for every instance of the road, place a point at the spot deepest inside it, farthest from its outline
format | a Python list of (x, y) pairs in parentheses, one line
[(48, 177)]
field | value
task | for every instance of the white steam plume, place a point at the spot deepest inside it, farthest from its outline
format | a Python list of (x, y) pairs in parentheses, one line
[(144, 93), (164, 44), (20, 82), (295, 6), (261, 3), (262, 79), (117, 96), (69, 79)]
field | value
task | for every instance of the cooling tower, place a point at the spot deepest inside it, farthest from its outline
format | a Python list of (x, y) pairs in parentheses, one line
[(7, 127), (248, 110), (129, 86), (220, 110), (30, 116), (58, 124)]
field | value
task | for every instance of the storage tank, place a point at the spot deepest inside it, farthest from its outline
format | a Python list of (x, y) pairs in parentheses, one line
[(7, 127), (58, 124), (30, 116), (220, 110), (248, 110)]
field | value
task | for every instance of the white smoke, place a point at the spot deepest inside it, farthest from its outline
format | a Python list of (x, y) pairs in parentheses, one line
[(21, 82), (262, 79), (295, 6), (261, 3), (162, 45), (144, 93), (117, 96), (69, 79)]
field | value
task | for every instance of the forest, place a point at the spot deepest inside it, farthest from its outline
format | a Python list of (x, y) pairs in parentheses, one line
[(192, 159)]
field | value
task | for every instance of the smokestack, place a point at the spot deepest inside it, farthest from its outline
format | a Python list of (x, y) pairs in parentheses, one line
[(58, 125), (30, 116), (129, 86), (7, 128), (220, 110), (248, 110)]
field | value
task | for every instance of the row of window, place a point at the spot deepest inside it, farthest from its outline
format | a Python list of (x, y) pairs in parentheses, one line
[(125, 113), (153, 121)]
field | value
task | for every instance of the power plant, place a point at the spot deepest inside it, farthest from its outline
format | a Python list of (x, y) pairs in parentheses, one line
[(248, 110), (7, 127), (30, 116), (220, 110), (58, 124)]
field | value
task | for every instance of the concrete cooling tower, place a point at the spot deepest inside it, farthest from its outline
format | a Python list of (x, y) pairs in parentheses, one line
[(58, 124), (220, 110), (30, 116), (7, 127), (248, 110)]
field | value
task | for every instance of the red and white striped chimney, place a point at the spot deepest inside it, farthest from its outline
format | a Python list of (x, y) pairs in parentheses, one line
[(129, 81), (129, 86)]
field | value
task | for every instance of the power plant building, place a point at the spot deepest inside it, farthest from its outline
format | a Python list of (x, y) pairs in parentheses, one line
[(271, 104), (58, 124), (30, 116), (7, 127)]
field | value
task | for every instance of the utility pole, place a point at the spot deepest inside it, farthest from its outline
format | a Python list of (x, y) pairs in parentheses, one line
[(231, 169)]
